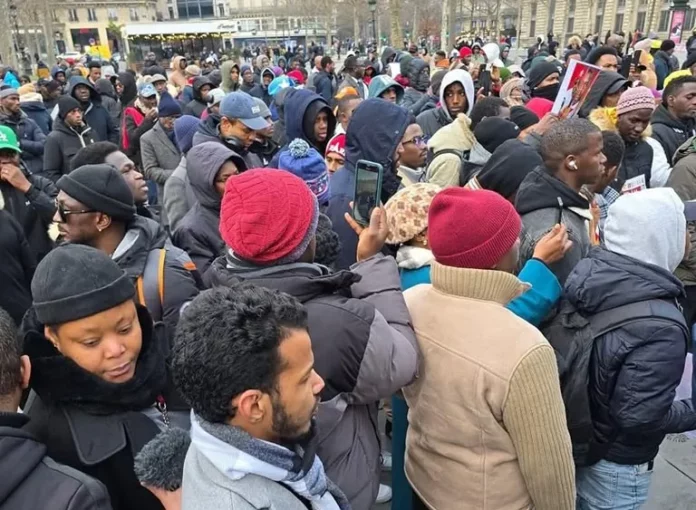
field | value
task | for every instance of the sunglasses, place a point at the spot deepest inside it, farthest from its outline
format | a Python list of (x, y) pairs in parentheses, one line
[(63, 213)]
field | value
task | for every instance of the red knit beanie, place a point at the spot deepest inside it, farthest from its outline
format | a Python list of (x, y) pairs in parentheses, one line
[(268, 216), (471, 228)]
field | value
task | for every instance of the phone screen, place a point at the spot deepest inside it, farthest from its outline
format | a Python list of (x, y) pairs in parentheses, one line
[(368, 190)]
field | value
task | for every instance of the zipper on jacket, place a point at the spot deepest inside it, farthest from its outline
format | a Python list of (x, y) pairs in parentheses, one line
[(161, 406)]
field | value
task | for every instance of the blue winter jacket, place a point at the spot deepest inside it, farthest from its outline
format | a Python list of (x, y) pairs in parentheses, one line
[(95, 115), (37, 112), (372, 141), (532, 306)]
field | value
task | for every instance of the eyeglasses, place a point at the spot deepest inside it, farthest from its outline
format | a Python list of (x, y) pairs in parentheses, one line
[(416, 140), (63, 213)]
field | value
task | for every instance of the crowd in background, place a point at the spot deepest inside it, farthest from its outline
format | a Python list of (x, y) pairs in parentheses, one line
[(192, 318)]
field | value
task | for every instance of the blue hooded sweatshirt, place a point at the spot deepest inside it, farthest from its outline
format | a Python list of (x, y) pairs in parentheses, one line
[(372, 141), (95, 115), (304, 103)]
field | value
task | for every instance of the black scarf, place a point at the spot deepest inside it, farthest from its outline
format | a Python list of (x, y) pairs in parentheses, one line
[(60, 381)]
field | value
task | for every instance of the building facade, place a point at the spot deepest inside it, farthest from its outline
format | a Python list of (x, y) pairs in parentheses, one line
[(564, 18)]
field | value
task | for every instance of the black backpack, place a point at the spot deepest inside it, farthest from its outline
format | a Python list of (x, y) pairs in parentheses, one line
[(572, 337)]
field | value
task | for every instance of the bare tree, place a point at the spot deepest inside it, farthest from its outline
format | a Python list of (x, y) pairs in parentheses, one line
[(396, 34)]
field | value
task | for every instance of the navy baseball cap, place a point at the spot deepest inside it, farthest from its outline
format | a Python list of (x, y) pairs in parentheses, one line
[(241, 106)]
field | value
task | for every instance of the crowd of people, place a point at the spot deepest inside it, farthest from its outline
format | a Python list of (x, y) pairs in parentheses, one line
[(192, 317)]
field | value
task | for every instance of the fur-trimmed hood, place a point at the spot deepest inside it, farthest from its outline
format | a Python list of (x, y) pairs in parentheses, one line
[(606, 120)]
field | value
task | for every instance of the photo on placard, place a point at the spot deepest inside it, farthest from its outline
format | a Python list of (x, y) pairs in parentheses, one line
[(576, 85)]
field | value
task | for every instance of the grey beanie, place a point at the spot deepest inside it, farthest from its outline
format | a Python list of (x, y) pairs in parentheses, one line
[(102, 188), (75, 281), (8, 92)]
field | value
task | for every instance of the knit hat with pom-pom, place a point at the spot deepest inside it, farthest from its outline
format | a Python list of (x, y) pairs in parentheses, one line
[(307, 164)]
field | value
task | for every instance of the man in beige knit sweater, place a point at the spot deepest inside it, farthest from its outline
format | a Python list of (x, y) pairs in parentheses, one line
[(487, 422)]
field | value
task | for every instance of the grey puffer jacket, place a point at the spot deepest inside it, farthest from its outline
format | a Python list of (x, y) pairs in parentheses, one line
[(364, 348), (682, 180), (542, 201)]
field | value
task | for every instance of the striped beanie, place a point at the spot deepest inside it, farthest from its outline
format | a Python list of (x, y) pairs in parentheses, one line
[(637, 98)]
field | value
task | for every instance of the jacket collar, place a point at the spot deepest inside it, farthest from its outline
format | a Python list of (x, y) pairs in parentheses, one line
[(481, 284), (164, 138)]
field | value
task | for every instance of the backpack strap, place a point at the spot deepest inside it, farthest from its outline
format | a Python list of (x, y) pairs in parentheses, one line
[(150, 284), (654, 309), (457, 153)]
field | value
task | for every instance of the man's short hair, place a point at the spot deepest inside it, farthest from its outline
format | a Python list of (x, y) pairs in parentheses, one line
[(10, 351), (674, 87), (486, 107), (570, 53), (565, 138), (93, 154), (94, 64), (667, 45), (614, 148), (597, 53), (441, 54), (325, 61), (227, 342)]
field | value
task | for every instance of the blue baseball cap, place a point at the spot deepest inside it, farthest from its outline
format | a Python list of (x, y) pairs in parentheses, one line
[(241, 106), (147, 90)]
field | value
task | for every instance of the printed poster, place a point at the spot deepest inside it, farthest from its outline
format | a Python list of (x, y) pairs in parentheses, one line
[(576, 85), (677, 26)]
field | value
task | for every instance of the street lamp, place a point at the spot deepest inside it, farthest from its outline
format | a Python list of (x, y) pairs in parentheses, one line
[(373, 7)]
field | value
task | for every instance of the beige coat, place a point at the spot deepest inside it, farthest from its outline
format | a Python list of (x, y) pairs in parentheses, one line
[(443, 170), (487, 425)]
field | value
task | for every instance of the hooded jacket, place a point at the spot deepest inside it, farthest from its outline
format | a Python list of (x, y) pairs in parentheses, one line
[(388, 55), (33, 210), (432, 120), (669, 131), (88, 425), (198, 232), (372, 141), (39, 113), (130, 89), (301, 109), (381, 83), (507, 167), (198, 105), (109, 99), (227, 84), (94, 113), (643, 157), (449, 146), (542, 201), (31, 478), (208, 131), (176, 76), (179, 279), (605, 81), (30, 137), (663, 67), (61, 145), (683, 181), (635, 369), (416, 99), (364, 349)]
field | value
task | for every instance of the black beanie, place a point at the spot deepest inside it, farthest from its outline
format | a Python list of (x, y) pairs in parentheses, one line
[(66, 104), (493, 131), (523, 117), (75, 281), (102, 188)]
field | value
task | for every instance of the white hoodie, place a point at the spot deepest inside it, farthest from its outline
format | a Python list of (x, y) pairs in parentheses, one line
[(461, 76)]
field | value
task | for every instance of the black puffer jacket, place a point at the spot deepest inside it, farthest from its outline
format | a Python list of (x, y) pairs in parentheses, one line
[(635, 369), (670, 131)]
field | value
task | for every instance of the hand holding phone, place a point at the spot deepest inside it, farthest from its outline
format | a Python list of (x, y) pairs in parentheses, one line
[(371, 239), (368, 190)]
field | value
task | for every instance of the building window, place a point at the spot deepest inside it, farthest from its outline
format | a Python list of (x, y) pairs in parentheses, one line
[(689, 19), (618, 22), (663, 24), (54, 15), (571, 25), (91, 15), (532, 20), (133, 13), (221, 10), (640, 21), (620, 4), (171, 12), (112, 14), (72, 15)]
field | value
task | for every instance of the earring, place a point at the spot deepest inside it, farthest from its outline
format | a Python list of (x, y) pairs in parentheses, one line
[(99, 229)]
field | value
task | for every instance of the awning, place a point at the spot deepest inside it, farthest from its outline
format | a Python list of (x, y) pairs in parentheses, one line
[(169, 28)]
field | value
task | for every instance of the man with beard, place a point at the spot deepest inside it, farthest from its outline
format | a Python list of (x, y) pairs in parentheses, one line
[(95, 115), (236, 126), (352, 76), (362, 343), (253, 411), (411, 168)]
